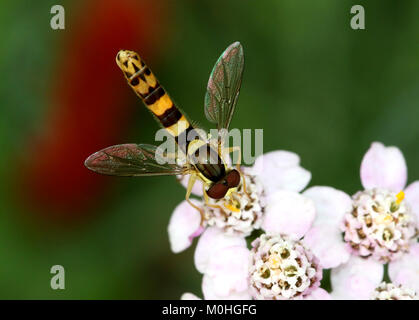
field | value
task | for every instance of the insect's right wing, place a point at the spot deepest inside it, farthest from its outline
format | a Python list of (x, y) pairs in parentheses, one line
[(134, 160), (224, 86)]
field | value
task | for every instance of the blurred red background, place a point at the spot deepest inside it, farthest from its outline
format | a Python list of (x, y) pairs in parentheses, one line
[(88, 104)]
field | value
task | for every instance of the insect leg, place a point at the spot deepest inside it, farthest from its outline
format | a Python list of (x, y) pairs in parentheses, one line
[(191, 182)]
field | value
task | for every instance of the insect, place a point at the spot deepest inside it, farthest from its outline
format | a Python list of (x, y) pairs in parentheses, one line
[(204, 159)]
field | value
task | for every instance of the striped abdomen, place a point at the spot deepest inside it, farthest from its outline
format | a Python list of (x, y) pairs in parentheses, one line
[(146, 86)]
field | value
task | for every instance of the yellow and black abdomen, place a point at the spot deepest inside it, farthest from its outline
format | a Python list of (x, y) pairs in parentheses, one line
[(147, 87)]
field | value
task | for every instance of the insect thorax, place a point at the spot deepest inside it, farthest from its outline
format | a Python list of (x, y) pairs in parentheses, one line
[(206, 160)]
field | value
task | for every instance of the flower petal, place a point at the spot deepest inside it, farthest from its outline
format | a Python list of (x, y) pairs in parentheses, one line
[(327, 245), (228, 269), (227, 274), (318, 294), (412, 198), (184, 225), (197, 187), (280, 170), (211, 241), (383, 167), (189, 296), (208, 288), (331, 205), (357, 279), (288, 213), (405, 271)]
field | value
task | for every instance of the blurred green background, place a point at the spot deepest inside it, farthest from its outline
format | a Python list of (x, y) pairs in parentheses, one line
[(314, 85)]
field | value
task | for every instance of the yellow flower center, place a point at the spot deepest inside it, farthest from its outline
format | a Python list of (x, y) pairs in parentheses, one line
[(384, 219), (274, 261)]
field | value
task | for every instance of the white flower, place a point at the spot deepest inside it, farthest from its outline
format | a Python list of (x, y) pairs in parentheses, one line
[(378, 226), (277, 267), (281, 268)]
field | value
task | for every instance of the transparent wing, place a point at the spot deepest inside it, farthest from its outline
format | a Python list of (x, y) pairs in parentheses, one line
[(224, 86), (134, 160)]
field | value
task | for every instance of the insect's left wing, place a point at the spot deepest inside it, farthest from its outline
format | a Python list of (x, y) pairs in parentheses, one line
[(134, 160), (224, 86)]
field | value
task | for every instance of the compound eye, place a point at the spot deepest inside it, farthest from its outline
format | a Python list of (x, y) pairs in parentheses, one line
[(233, 178), (218, 190)]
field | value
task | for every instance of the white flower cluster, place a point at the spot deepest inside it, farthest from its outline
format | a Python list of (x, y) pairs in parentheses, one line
[(389, 291), (296, 234), (282, 268), (379, 226), (241, 212)]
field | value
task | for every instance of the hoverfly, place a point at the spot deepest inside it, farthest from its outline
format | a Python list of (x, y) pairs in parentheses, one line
[(219, 181)]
